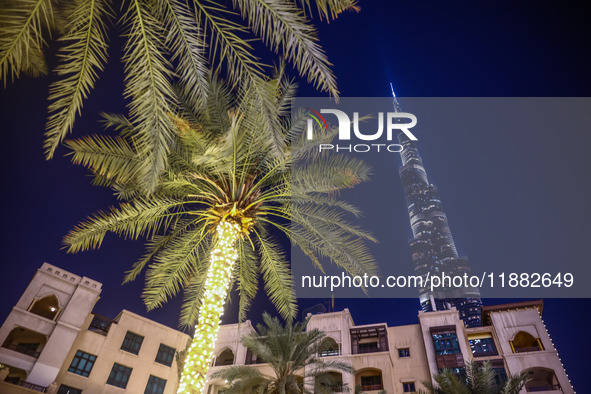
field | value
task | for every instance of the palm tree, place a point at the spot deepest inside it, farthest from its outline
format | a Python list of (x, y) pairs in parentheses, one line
[(292, 352), (479, 379), (166, 41), (231, 186)]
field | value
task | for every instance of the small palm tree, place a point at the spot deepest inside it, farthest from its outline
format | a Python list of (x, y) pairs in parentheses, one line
[(211, 224), (292, 353), (479, 379), (166, 41)]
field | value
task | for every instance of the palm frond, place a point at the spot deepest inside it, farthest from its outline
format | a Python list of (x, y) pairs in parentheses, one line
[(330, 9), (148, 87), (140, 217), (282, 25), (276, 275), (246, 277), (111, 157), (155, 245), (22, 24), (226, 45), (184, 41), (193, 295), (181, 259), (81, 61)]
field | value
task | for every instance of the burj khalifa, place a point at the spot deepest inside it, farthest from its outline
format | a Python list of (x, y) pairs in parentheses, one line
[(432, 246)]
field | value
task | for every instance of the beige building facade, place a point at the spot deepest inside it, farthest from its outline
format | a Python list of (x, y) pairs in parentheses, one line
[(53, 343), (399, 359)]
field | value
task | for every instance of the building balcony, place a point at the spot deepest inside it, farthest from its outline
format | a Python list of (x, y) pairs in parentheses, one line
[(100, 324), (527, 349), (372, 387), (328, 353), (554, 387), (20, 348), (31, 386), (25, 341)]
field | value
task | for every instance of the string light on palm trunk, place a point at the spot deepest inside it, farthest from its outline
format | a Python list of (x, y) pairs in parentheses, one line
[(217, 286)]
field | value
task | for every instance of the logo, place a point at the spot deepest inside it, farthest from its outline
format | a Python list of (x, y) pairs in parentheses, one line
[(393, 122)]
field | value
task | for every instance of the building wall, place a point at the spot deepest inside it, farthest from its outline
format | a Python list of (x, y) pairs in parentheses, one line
[(76, 296), (423, 362), (108, 351), (507, 323), (337, 325), (408, 369)]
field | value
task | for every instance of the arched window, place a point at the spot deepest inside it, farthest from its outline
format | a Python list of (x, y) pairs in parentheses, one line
[(225, 358), (47, 307), (525, 342), (328, 347), (541, 379)]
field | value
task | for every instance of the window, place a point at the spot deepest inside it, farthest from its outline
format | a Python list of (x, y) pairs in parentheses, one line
[(405, 352), (408, 387), (500, 375), (119, 376), (368, 347), (132, 342), (252, 358), (82, 363), (155, 385), (482, 345), (446, 343), (165, 355), (369, 339), (68, 390)]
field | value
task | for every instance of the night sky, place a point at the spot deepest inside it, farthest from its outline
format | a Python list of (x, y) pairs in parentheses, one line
[(529, 202)]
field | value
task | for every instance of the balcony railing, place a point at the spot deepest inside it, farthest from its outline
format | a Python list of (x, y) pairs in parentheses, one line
[(22, 349), (100, 325), (28, 385), (372, 387), (373, 348), (552, 387), (327, 353), (527, 349)]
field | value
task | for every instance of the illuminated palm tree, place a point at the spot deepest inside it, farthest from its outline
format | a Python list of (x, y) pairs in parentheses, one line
[(231, 186), (292, 352), (166, 41)]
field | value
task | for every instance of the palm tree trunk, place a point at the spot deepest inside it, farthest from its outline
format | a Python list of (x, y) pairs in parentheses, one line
[(217, 287)]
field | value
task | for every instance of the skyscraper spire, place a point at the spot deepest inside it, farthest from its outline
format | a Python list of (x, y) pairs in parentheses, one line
[(432, 248), (396, 104)]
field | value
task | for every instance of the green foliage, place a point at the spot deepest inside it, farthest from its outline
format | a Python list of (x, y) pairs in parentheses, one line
[(292, 353), (225, 165), (166, 42), (479, 379)]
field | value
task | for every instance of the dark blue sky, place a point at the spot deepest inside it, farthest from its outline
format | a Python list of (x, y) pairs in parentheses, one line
[(462, 48)]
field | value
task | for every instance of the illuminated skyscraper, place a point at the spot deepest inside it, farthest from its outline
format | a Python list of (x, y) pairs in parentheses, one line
[(432, 248)]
